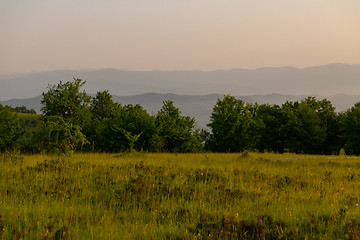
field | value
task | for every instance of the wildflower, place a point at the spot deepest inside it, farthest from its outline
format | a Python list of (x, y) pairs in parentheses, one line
[(357, 205)]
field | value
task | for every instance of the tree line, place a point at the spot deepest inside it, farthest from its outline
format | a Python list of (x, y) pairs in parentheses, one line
[(72, 121)]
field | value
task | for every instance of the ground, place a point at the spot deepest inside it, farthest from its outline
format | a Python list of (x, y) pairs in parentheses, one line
[(179, 196)]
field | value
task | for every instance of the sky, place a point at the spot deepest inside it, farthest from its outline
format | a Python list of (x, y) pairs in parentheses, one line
[(206, 35)]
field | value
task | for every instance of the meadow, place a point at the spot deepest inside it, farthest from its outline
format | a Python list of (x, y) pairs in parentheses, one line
[(179, 196)]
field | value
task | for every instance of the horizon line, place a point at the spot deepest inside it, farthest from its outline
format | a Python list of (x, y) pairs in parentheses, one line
[(159, 70)]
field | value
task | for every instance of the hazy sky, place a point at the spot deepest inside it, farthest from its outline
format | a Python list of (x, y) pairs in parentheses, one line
[(39, 35)]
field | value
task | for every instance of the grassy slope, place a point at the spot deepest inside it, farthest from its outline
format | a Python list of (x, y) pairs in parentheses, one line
[(185, 196)]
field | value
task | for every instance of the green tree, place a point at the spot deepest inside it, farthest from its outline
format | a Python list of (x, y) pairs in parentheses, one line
[(102, 106), (67, 101), (55, 135), (10, 129), (269, 118), (130, 128), (351, 130), (290, 129), (307, 126), (330, 125), (28, 123), (233, 125), (313, 133), (176, 133)]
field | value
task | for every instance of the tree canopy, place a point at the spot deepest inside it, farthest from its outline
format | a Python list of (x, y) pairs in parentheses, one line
[(176, 133), (233, 126), (72, 121), (10, 129), (66, 100)]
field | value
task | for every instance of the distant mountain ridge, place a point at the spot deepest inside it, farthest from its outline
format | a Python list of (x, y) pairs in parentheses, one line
[(195, 92), (322, 80), (197, 106)]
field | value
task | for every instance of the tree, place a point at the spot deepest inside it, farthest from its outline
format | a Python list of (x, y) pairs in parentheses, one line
[(176, 133), (330, 125), (102, 105), (310, 126), (351, 130), (313, 133), (130, 128), (290, 127), (102, 108), (132, 138), (28, 123), (233, 126), (10, 129), (301, 128), (66, 100), (55, 135), (269, 118)]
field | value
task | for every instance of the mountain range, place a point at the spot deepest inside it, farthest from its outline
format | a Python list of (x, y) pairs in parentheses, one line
[(323, 80), (195, 92)]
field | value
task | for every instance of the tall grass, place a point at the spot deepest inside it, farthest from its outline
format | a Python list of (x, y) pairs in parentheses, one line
[(179, 196)]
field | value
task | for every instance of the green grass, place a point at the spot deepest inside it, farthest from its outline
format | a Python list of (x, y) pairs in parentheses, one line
[(179, 196), (28, 116)]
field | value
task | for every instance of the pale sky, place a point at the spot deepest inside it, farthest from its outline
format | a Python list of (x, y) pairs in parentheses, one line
[(43, 35)]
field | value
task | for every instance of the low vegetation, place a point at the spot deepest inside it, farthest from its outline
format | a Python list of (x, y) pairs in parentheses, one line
[(179, 196)]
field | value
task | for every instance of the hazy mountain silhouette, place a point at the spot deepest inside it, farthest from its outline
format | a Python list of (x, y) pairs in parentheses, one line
[(324, 80)]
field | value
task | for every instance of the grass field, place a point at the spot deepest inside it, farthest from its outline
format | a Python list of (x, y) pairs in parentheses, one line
[(179, 196)]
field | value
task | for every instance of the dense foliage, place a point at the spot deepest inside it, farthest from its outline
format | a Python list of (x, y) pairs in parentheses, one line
[(55, 135), (233, 126), (74, 121), (10, 129), (66, 100), (309, 126)]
